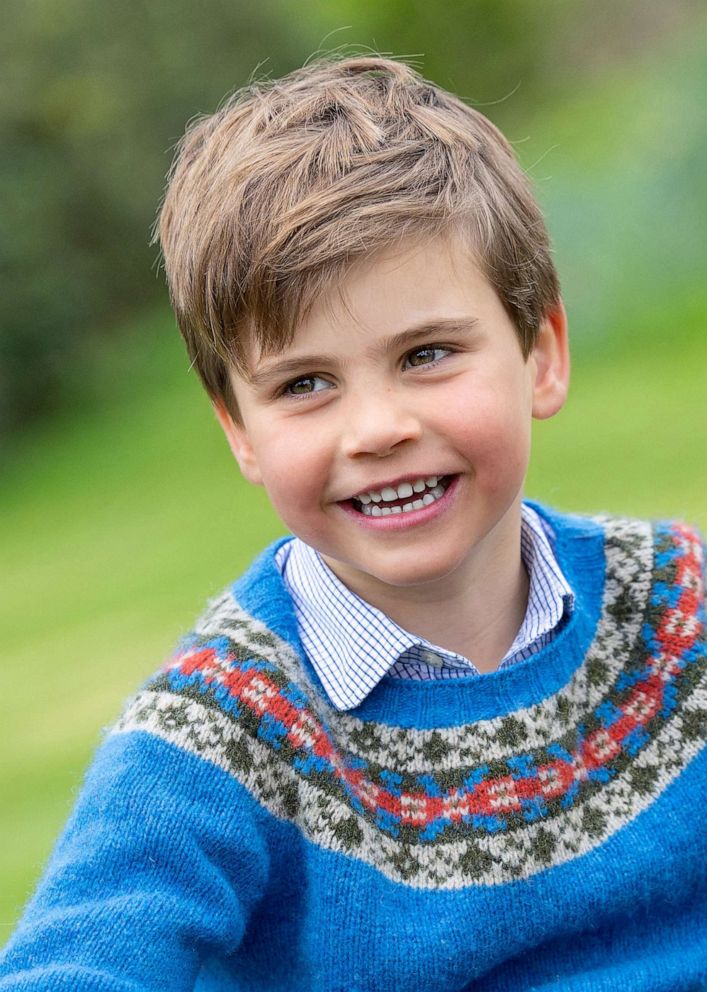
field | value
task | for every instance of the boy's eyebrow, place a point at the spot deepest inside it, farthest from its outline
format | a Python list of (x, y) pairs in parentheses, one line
[(280, 370), (427, 328)]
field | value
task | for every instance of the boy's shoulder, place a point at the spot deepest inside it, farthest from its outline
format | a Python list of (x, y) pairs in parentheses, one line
[(623, 540)]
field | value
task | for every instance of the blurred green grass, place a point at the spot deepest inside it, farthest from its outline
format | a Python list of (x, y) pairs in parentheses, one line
[(115, 529)]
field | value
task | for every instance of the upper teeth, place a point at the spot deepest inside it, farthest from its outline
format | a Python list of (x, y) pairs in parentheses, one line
[(388, 493)]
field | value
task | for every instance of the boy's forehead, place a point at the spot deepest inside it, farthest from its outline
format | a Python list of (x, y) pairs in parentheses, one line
[(354, 296), (416, 288)]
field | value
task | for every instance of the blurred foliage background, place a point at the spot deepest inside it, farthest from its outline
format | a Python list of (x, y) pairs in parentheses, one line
[(120, 509)]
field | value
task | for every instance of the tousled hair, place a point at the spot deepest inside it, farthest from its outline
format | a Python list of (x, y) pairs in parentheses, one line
[(271, 199)]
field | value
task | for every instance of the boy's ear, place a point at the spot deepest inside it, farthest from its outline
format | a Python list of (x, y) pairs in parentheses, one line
[(239, 443), (552, 362)]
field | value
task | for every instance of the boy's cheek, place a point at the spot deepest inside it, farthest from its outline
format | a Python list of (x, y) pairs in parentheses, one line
[(494, 433), (292, 487)]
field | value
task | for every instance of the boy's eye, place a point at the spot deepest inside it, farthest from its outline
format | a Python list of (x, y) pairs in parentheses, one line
[(306, 385), (424, 356)]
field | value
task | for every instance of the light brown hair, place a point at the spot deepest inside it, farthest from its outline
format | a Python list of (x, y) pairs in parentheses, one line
[(273, 197)]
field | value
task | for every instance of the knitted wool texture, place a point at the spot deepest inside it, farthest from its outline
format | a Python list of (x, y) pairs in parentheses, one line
[(538, 828)]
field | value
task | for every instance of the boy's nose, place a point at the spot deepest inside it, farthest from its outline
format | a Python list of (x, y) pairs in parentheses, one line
[(377, 425)]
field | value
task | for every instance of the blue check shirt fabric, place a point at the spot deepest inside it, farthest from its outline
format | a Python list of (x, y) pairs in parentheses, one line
[(352, 645)]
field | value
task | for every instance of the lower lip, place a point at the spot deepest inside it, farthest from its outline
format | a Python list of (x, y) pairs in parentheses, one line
[(401, 521)]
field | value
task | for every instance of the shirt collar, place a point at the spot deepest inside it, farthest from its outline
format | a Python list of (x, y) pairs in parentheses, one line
[(352, 645)]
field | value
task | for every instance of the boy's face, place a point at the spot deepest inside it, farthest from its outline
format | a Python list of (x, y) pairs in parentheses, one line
[(409, 380)]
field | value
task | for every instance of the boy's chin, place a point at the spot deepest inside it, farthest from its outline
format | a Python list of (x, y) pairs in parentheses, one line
[(401, 573)]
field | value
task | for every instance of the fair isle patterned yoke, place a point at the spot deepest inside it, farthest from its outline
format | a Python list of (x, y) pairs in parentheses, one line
[(482, 803)]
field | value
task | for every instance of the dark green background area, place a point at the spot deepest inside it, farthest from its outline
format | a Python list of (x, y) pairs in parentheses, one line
[(120, 507)]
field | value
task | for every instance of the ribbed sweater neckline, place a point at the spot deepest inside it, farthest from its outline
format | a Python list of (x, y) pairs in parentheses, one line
[(579, 546)]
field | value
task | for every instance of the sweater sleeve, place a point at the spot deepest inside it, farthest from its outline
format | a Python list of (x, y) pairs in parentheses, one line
[(158, 867)]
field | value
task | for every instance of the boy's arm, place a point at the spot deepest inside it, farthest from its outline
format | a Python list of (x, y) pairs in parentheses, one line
[(158, 867)]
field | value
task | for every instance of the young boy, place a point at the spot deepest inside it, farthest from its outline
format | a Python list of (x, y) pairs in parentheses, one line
[(441, 739)]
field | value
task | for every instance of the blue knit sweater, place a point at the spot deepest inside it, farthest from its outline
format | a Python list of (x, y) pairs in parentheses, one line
[(541, 827)]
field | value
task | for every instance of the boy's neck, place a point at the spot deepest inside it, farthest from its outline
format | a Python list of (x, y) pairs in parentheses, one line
[(475, 614)]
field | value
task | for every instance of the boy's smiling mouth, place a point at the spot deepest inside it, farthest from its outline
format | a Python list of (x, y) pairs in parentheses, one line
[(404, 497)]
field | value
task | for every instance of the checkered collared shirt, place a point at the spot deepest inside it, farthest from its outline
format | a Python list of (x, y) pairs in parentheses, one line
[(352, 645)]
